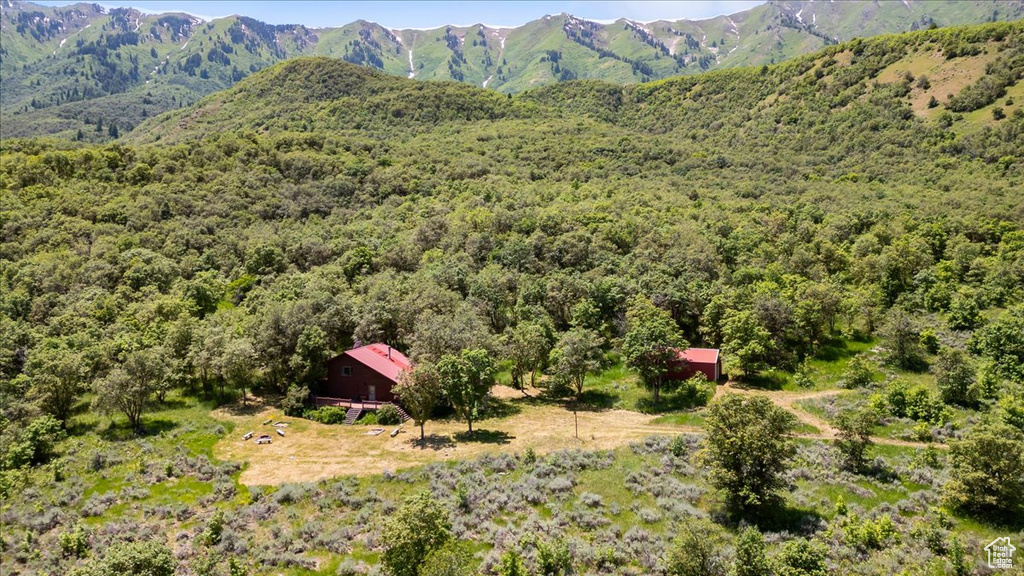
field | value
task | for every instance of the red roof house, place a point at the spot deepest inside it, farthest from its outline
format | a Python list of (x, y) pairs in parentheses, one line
[(693, 360), (365, 373)]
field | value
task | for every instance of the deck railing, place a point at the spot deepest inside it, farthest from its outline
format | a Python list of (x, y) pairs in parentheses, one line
[(345, 403)]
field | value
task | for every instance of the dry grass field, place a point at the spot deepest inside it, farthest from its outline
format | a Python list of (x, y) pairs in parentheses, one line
[(311, 451)]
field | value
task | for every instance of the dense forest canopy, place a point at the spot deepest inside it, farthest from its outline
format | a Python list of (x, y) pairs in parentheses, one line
[(767, 211), (324, 200)]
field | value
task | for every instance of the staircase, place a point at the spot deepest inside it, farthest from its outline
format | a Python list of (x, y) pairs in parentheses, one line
[(352, 415), (401, 412)]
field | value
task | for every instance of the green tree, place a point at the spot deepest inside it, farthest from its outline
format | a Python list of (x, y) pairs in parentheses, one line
[(309, 363), (750, 559), (58, 378), (34, 444), (528, 345), (695, 551), (128, 389), (963, 312), (954, 376), (651, 344), (466, 379), (419, 390), (295, 400), (238, 365), (1003, 342), (452, 559), (903, 341), (745, 339), (854, 436), (419, 527), (748, 449), (986, 474), (577, 353)]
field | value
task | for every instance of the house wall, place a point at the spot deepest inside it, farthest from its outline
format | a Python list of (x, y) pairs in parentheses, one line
[(690, 368), (356, 386)]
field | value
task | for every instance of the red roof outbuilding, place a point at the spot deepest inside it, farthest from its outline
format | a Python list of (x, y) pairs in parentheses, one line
[(707, 361)]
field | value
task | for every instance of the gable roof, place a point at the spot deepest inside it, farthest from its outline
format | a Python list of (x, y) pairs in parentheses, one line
[(381, 358), (699, 355)]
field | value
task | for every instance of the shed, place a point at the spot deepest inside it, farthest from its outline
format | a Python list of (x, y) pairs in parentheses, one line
[(365, 373), (693, 360)]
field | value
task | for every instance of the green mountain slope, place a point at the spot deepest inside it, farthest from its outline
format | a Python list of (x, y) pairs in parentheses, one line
[(814, 219), (85, 73)]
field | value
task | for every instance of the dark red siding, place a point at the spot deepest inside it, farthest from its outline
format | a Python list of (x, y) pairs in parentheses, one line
[(688, 369), (357, 385)]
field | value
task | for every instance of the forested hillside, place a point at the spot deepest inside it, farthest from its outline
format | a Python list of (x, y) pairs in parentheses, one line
[(89, 74), (852, 217)]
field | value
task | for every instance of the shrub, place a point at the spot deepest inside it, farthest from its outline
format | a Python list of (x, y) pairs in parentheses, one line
[(750, 554), (802, 557), (930, 340), (138, 558), (554, 559), (802, 376), (368, 419), (415, 530), (388, 415), (854, 436), (954, 376), (295, 400), (896, 398), (327, 415), (858, 372), (511, 564), (35, 444), (986, 475), (925, 406), (74, 542), (869, 534), (695, 551), (452, 559)]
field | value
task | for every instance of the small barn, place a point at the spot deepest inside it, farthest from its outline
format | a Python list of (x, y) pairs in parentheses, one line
[(693, 360), (365, 373)]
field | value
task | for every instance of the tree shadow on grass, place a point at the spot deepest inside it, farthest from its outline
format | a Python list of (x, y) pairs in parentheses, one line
[(766, 381), (77, 427), (252, 406), (169, 404), (594, 401), (435, 442), (501, 408), (485, 437), (121, 431), (833, 349), (775, 518), (685, 399)]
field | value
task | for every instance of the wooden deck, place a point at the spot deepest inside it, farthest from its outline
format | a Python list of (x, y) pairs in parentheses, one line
[(356, 407), (345, 403)]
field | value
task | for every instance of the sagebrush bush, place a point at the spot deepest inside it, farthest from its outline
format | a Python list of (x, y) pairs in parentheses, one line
[(388, 415)]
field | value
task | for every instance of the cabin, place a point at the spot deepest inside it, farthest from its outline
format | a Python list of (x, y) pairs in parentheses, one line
[(365, 373), (707, 361)]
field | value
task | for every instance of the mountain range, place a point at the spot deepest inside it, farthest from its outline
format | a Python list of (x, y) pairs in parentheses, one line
[(89, 73)]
